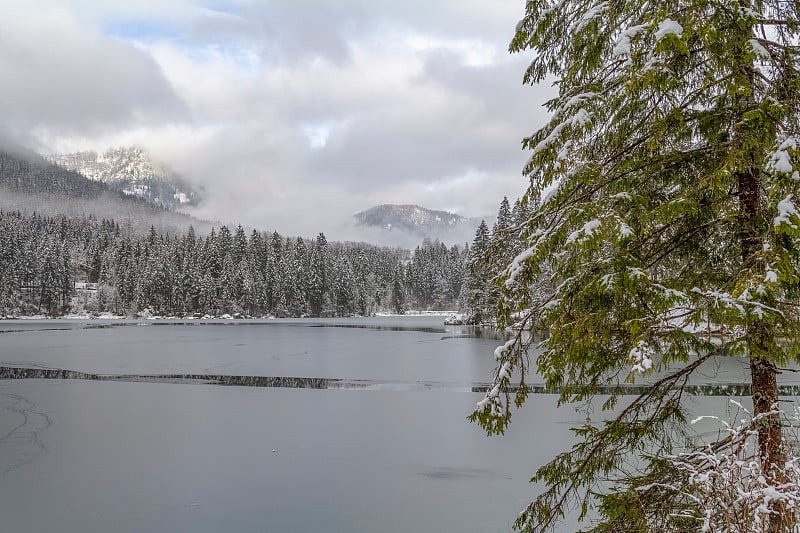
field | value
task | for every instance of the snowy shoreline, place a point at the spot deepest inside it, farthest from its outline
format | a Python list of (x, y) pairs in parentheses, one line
[(149, 316)]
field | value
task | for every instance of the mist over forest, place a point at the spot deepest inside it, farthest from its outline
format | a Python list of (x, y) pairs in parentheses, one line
[(30, 184), (72, 245)]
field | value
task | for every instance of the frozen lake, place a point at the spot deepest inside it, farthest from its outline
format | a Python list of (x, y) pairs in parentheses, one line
[(395, 453), (88, 456), (384, 348)]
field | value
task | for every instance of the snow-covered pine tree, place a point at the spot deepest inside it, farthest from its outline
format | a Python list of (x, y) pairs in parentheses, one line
[(455, 273), (230, 285), (239, 246), (475, 290), (301, 272), (274, 276), (208, 294), (499, 252), (666, 183), (317, 282), (398, 296), (343, 287), (294, 277), (259, 260)]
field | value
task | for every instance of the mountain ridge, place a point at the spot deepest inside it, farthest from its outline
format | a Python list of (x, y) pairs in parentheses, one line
[(132, 171), (418, 221), (30, 183)]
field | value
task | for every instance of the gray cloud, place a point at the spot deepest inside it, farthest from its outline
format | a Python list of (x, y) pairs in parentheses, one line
[(59, 80), (283, 30), (453, 119), (293, 115)]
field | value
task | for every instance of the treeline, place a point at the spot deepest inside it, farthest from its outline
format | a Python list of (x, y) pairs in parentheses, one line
[(255, 274), (30, 174)]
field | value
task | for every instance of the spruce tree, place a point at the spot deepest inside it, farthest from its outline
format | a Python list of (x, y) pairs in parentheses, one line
[(317, 282), (208, 294), (274, 283), (398, 297), (663, 191), (504, 218), (475, 291), (239, 246), (499, 252)]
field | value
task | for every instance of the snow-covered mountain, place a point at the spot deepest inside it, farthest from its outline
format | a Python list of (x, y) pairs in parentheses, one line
[(133, 172), (30, 184), (418, 222)]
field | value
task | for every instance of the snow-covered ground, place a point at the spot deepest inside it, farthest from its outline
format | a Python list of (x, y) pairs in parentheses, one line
[(418, 313)]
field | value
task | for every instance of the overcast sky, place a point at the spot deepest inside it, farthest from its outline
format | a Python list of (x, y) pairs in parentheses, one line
[(292, 114)]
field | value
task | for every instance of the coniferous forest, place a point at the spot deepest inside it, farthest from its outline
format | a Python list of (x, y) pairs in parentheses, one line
[(59, 259), (55, 265)]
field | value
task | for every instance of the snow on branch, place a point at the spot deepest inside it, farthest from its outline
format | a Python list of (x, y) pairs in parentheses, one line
[(585, 232), (492, 403), (668, 27), (516, 266), (592, 13), (641, 356), (724, 299), (550, 191), (503, 348), (576, 100), (623, 45), (759, 49), (786, 210), (580, 118), (780, 160), (729, 487)]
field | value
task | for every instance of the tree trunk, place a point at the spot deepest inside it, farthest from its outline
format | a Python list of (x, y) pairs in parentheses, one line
[(760, 333), (760, 338)]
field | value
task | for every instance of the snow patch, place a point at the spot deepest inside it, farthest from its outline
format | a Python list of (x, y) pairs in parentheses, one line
[(623, 45), (588, 229), (780, 160), (607, 281), (637, 272), (181, 197), (786, 210), (642, 357), (625, 230), (771, 277), (550, 191), (621, 196), (592, 13), (759, 49), (580, 118), (668, 27)]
